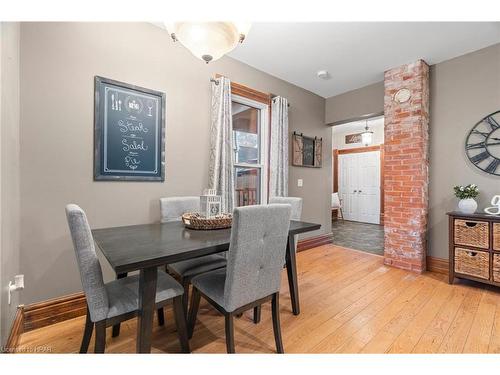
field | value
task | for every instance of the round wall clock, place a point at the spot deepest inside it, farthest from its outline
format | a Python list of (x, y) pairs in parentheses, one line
[(483, 144), (402, 95)]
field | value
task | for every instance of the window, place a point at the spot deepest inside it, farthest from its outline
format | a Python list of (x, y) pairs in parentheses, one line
[(250, 120)]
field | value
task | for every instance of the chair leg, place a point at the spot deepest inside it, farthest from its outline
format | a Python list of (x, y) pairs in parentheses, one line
[(229, 333), (116, 330), (100, 336), (276, 323), (341, 214), (256, 314), (87, 333), (180, 322), (193, 311), (185, 296), (161, 316)]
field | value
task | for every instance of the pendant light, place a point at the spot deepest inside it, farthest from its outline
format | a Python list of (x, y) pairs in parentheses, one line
[(208, 41), (367, 136)]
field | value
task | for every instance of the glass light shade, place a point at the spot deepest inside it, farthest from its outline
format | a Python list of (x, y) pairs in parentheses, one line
[(208, 41), (367, 137)]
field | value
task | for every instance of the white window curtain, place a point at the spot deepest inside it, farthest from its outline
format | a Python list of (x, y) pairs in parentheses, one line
[(221, 167), (278, 161)]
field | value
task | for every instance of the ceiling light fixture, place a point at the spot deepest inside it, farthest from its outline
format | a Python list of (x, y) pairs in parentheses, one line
[(208, 41), (367, 136)]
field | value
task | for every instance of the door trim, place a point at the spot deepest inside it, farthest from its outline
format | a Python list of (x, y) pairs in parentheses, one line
[(335, 165)]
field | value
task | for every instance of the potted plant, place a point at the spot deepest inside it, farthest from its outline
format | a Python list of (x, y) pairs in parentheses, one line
[(466, 194)]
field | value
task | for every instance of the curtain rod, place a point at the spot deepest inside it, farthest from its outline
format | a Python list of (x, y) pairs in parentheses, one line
[(272, 95)]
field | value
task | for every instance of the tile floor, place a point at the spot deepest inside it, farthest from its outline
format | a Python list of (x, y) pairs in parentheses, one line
[(359, 236)]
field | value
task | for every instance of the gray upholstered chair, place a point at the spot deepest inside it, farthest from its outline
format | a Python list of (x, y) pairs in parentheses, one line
[(296, 204), (114, 302), (253, 273), (172, 209)]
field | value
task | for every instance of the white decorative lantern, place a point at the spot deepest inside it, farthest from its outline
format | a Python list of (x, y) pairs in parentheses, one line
[(210, 203), (367, 136)]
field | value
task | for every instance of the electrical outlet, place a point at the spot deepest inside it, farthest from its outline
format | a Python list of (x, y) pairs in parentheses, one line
[(18, 284), (300, 182)]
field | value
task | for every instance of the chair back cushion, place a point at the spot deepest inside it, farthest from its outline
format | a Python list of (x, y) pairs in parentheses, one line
[(335, 200), (256, 254), (172, 208), (295, 202), (88, 263)]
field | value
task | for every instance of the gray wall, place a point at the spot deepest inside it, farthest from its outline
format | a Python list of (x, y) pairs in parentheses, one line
[(353, 104), (463, 90), (9, 170), (58, 64)]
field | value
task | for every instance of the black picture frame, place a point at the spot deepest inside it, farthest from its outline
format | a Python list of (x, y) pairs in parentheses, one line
[(129, 138)]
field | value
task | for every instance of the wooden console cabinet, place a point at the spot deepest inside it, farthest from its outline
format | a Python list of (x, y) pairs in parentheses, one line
[(474, 247)]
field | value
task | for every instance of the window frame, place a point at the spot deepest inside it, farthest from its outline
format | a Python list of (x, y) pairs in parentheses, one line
[(263, 133)]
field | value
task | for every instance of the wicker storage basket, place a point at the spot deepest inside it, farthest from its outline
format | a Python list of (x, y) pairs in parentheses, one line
[(496, 236), (473, 263), (196, 221), (472, 233), (496, 268)]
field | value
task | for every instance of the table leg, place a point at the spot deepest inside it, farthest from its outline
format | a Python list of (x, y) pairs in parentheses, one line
[(116, 327), (147, 295), (291, 270)]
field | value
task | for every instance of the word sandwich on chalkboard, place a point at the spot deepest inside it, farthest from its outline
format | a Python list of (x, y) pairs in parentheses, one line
[(129, 126), (306, 151)]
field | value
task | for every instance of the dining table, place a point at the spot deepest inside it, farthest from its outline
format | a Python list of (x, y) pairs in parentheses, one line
[(145, 247)]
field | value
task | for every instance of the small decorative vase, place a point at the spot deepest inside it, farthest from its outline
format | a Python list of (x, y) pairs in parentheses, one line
[(467, 206)]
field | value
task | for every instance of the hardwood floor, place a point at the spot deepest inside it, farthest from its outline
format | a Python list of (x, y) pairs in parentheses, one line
[(350, 303)]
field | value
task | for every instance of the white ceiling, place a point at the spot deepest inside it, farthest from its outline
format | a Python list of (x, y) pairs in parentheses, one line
[(355, 54)]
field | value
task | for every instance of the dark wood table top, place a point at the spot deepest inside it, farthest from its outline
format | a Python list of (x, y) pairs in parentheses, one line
[(135, 247), (479, 214)]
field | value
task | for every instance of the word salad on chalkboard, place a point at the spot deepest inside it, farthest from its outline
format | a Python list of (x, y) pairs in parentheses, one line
[(129, 132)]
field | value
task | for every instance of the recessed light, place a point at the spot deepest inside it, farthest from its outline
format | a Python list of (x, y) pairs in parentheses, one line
[(323, 74)]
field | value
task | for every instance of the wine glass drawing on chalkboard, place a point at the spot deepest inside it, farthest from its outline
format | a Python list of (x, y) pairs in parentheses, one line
[(129, 144), (150, 106), (306, 151)]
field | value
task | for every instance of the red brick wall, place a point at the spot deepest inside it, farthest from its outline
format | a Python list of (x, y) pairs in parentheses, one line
[(406, 163)]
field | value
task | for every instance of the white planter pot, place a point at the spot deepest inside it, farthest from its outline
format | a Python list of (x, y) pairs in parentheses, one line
[(467, 206)]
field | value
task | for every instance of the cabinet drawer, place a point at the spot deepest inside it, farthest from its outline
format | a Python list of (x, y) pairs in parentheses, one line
[(496, 268), (472, 233), (472, 262), (496, 236)]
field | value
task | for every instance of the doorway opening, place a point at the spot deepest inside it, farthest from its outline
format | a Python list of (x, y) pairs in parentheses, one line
[(357, 186)]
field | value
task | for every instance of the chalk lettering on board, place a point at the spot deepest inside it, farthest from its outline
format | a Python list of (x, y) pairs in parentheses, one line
[(134, 145)]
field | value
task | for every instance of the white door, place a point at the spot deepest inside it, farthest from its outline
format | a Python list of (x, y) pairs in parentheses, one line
[(359, 186), (348, 182)]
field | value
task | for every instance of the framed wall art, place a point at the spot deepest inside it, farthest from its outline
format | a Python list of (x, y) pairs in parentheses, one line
[(129, 132), (306, 151), (352, 138)]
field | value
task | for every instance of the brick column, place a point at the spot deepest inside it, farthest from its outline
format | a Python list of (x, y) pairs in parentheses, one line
[(406, 163)]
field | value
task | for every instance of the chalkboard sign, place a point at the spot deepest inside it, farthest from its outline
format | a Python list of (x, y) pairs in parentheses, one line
[(129, 127), (308, 151)]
